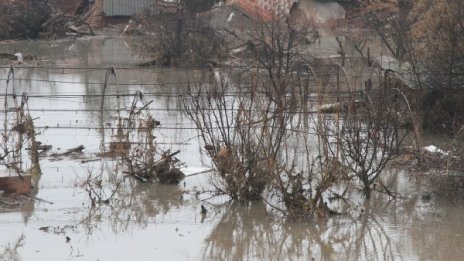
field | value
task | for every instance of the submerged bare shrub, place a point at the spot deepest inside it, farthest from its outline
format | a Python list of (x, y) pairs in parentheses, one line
[(134, 143), (11, 251), (236, 135), (343, 143), (301, 188), (98, 188), (370, 136), (259, 133), (310, 171), (244, 124)]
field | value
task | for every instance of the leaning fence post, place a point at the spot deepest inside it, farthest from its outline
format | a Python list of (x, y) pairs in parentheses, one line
[(338, 111), (109, 72), (11, 76), (369, 62)]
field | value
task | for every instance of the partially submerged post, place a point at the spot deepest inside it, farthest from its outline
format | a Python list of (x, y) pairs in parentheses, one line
[(111, 71)]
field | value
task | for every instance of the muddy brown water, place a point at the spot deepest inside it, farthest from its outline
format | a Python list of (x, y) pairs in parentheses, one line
[(157, 222)]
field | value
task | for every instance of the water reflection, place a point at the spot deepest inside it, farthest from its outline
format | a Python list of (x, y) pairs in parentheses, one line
[(136, 205), (247, 232), (240, 234), (89, 52), (11, 251), (369, 232)]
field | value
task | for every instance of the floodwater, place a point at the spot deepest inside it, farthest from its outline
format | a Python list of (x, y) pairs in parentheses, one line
[(160, 222)]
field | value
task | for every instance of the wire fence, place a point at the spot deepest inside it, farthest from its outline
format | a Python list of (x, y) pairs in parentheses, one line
[(62, 106)]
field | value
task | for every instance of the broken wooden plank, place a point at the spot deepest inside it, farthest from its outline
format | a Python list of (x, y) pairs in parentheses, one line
[(89, 160), (51, 20), (70, 151), (199, 173), (36, 199)]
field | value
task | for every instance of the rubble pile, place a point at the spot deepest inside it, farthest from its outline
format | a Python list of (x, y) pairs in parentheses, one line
[(23, 18), (38, 19)]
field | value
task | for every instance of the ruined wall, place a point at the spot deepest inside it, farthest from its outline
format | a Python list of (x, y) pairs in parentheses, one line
[(263, 9), (279, 7)]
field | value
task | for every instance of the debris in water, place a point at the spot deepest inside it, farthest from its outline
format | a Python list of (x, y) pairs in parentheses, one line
[(89, 160), (435, 150), (16, 184), (59, 230), (172, 176), (204, 211), (77, 149), (19, 57)]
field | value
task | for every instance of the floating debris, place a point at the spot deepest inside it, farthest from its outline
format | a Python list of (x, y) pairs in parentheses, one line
[(77, 149), (16, 184), (435, 150)]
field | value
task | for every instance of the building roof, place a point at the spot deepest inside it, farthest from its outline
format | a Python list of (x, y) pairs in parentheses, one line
[(126, 7)]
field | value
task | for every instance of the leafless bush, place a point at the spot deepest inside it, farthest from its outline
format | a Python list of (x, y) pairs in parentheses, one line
[(99, 190), (261, 134), (236, 126), (370, 137), (10, 252), (133, 141), (310, 171), (355, 141), (303, 186), (134, 144), (244, 125)]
